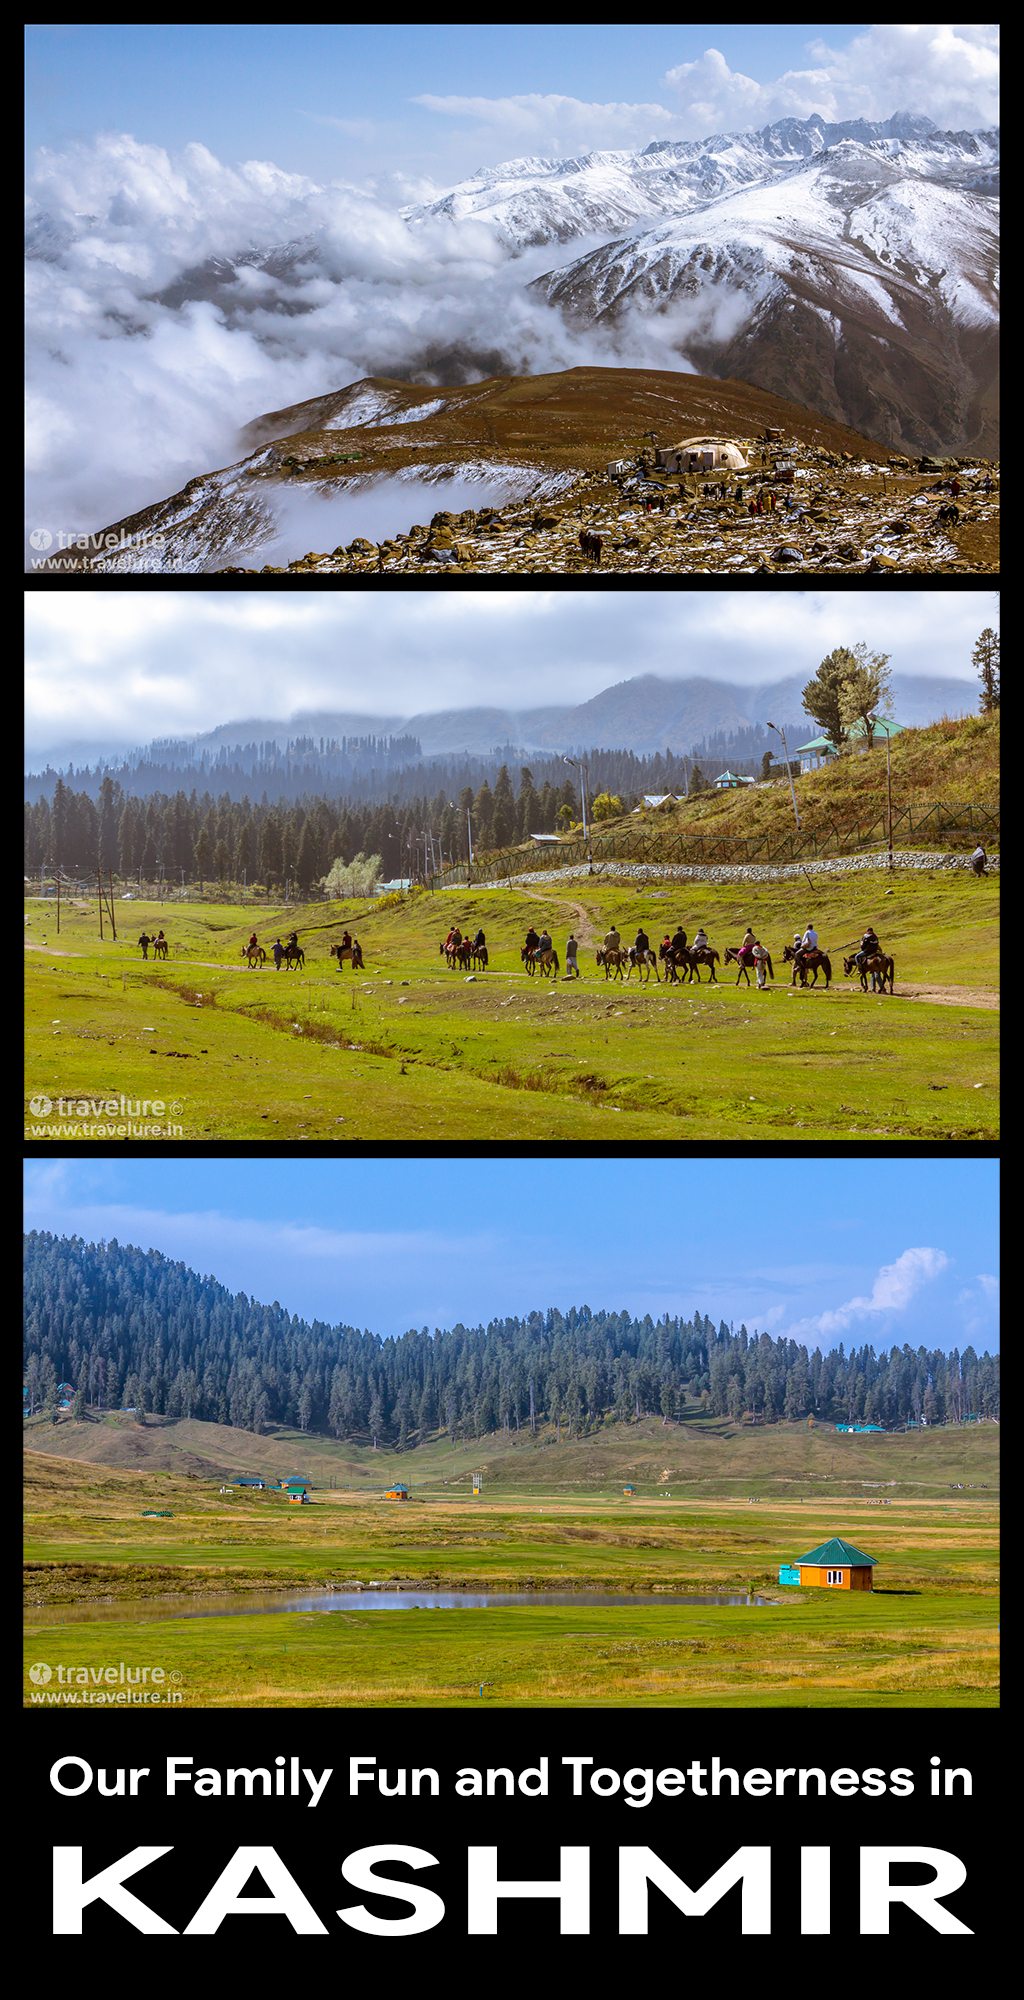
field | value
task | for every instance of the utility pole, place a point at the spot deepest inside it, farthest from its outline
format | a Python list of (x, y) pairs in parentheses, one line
[(877, 722), (469, 846), (792, 788), (584, 782)]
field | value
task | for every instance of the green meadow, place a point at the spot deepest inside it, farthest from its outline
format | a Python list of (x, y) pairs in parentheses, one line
[(716, 1510), (409, 1050)]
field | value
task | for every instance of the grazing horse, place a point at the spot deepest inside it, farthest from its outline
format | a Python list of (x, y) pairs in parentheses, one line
[(352, 951), (612, 957), (591, 544), (643, 962), (881, 967), (949, 516), (292, 954), (255, 955), (732, 957)]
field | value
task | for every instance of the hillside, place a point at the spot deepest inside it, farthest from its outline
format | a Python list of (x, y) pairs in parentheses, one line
[(699, 1455), (535, 450), (953, 763)]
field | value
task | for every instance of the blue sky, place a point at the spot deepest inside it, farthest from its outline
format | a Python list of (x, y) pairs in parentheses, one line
[(822, 1250), (337, 101)]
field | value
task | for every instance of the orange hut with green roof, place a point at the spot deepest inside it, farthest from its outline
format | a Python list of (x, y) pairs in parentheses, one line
[(836, 1565)]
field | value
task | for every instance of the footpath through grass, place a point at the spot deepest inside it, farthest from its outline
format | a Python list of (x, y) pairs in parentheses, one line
[(410, 1050)]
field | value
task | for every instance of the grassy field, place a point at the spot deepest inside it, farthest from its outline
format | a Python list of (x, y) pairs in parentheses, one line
[(409, 1050), (551, 1517)]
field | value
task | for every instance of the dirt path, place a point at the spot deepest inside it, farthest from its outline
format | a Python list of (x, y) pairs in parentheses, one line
[(936, 996), (585, 932), (951, 996)]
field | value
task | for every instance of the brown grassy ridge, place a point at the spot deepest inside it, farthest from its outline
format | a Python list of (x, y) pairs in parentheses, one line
[(576, 419)]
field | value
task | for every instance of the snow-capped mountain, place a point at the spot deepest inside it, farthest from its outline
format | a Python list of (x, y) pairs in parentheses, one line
[(853, 267), (537, 201)]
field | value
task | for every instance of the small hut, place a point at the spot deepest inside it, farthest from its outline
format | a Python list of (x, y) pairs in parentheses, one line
[(629, 1492), (397, 1492), (835, 1565)]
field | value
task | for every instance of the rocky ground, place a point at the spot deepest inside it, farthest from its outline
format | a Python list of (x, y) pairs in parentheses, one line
[(839, 514)]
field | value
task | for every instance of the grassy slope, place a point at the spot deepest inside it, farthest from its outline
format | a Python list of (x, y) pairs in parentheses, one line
[(955, 762), (429, 1056), (927, 1636), (710, 1453)]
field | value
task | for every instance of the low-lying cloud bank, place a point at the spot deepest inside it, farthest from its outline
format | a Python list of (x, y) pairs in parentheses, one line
[(134, 388)]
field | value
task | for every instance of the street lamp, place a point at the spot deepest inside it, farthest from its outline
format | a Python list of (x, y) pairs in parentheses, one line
[(792, 788), (584, 783), (876, 722)]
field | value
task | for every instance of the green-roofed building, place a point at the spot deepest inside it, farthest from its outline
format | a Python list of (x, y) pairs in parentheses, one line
[(822, 750), (835, 1565)]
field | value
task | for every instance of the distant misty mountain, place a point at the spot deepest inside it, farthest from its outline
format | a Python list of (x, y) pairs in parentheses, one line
[(645, 714)]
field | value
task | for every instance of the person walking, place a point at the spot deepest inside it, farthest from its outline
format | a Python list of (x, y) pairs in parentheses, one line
[(572, 970)]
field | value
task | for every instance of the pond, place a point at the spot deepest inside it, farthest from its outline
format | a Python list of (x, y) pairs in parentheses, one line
[(252, 1603)]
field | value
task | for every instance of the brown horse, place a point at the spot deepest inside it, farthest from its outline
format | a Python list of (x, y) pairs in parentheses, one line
[(478, 957), (881, 967), (547, 962), (643, 962), (673, 956), (351, 951), (255, 955), (591, 545), (612, 958), (732, 957), (811, 962), (159, 947), (704, 954)]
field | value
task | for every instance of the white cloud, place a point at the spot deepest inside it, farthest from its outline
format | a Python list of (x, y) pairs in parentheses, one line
[(113, 661), (895, 1287), (950, 74), (552, 124)]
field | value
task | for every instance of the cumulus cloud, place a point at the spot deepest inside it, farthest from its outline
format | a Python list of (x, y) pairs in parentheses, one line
[(895, 1287), (951, 74)]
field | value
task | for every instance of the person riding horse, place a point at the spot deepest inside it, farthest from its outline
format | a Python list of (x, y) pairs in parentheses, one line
[(641, 942), (679, 940), (746, 949), (253, 944), (613, 939), (869, 945), (479, 942), (530, 942), (346, 940)]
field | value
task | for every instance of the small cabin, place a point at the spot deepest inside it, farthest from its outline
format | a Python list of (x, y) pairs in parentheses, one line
[(835, 1565), (629, 1492), (297, 1496), (729, 781), (259, 1484), (397, 1492)]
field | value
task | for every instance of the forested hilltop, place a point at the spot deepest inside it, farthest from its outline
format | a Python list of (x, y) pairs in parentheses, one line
[(130, 1329)]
